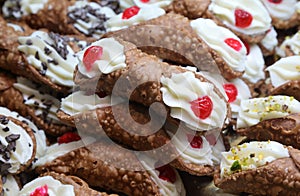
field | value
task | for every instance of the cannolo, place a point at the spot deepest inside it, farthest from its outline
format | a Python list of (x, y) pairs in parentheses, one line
[(46, 58), (284, 14), (192, 45), (285, 77), (59, 184), (25, 97), (64, 17), (142, 134), (18, 145), (248, 19), (260, 168), (270, 118), (110, 167)]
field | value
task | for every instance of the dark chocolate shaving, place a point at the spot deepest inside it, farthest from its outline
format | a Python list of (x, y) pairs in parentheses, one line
[(29, 42), (12, 137), (5, 129), (37, 56), (59, 44), (4, 120), (113, 4)]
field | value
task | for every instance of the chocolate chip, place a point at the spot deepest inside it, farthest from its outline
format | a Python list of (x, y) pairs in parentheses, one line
[(6, 155), (4, 120), (12, 137), (47, 51), (113, 4), (30, 97), (29, 42), (29, 144), (6, 129), (11, 146), (36, 103), (3, 178), (2, 148), (52, 61), (44, 66), (37, 56), (4, 167)]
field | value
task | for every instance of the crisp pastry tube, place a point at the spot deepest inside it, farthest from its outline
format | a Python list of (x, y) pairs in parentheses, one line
[(45, 58), (106, 165), (138, 132), (268, 44), (59, 184), (248, 19), (270, 118), (18, 144), (284, 14), (25, 97), (260, 168), (285, 77), (285, 130), (290, 46), (192, 45), (64, 17)]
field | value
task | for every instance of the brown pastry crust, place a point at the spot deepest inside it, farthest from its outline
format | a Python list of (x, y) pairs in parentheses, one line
[(248, 38), (189, 8), (12, 98), (279, 177), (265, 51), (293, 21), (285, 130), (80, 186), (172, 38), (96, 164), (32, 136), (290, 88)]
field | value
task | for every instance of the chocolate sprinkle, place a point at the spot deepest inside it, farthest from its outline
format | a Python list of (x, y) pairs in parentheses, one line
[(12, 137), (52, 61), (6, 129), (47, 51), (4, 120), (113, 4), (4, 167), (29, 42), (37, 56), (60, 44), (83, 14)]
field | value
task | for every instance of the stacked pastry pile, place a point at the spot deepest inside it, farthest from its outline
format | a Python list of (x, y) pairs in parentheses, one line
[(108, 96)]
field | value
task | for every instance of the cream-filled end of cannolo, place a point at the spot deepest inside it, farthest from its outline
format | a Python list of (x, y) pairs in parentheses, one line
[(256, 110), (89, 18), (270, 41), (47, 185), (282, 10), (17, 9), (51, 55), (79, 102), (39, 135), (103, 56), (223, 41), (16, 144), (132, 16), (153, 3), (284, 70), (165, 177), (10, 186), (250, 156), (193, 102), (290, 43), (45, 105), (255, 65), (248, 17)]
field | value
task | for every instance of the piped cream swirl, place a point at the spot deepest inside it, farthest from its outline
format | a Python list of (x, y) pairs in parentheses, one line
[(17, 9), (284, 70), (55, 187), (181, 89), (258, 109), (216, 40), (156, 3), (113, 58), (250, 156), (224, 10), (55, 60), (283, 10), (292, 43)]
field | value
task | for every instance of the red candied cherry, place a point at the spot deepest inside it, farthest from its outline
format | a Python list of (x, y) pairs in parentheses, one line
[(167, 173), (144, 1), (68, 137), (275, 1), (211, 139), (231, 92), (243, 18), (195, 140), (91, 55), (202, 107), (131, 11), (234, 43), (40, 191)]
